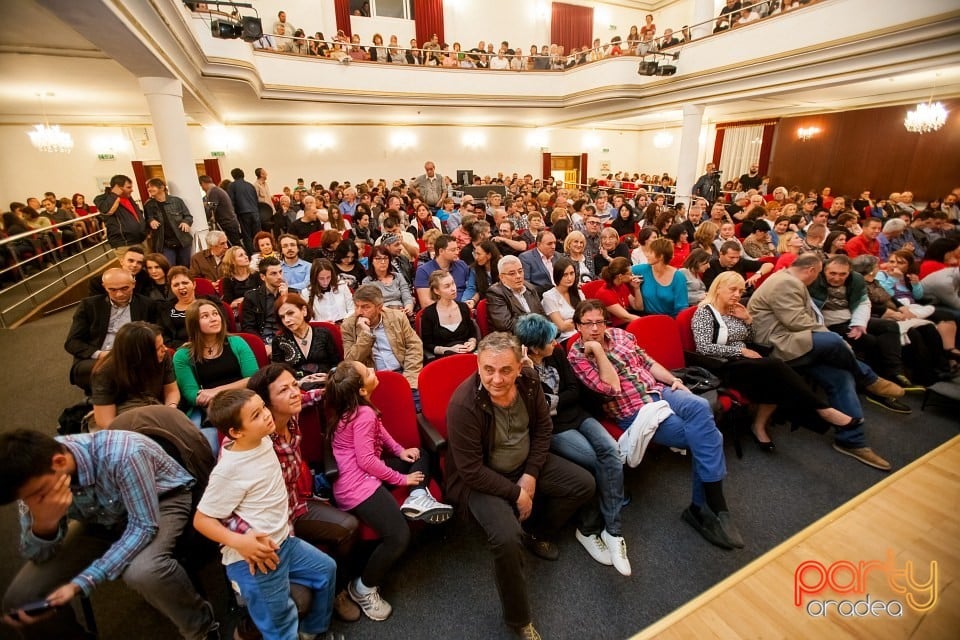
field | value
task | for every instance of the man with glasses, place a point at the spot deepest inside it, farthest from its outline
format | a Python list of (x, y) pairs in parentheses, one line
[(512, 297), (609, 362), (592, 229)]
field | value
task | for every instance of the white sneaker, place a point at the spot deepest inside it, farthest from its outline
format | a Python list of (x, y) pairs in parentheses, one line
[(595, 547), (372, 605), (618, 552), (423, 506)]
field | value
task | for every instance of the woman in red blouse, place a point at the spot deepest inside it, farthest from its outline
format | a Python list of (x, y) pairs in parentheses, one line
[(620, 292)]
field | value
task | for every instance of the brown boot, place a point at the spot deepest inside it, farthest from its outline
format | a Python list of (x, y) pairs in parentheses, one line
[(885, 388), (345, 608)]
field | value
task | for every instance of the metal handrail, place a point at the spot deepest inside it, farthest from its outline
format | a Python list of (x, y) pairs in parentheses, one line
[(89, 256)]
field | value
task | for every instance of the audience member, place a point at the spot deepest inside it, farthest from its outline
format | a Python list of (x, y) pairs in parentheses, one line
[(170, 221), (512, 297), (237, 277), (257, 315), (621, 293), (308, 351), (447, 259), (394, 288), (663, 288), (498, 460), (98, 319), (206, 263), (538, 262), (220, 208), (122, 218), (446, 326), (296, 271)]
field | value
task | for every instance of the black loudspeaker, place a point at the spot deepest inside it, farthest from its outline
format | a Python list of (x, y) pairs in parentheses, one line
[(252, 29), (667, 70), (648, 68), (224, 29)]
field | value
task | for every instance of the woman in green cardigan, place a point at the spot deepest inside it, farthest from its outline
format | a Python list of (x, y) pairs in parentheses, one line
[(210, 362)]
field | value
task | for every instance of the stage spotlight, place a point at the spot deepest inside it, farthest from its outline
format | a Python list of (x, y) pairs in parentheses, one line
[(251, 29), (225, 29), (648, 68)]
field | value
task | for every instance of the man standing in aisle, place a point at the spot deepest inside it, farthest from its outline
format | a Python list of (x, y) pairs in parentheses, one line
[(430, 186), (220, 209), (246, 204)]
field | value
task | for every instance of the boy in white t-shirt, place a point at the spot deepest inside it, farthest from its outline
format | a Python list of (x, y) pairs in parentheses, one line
[(263, 561)]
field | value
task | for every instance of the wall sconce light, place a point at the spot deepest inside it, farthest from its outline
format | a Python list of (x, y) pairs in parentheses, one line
[(320, 141), (222, 140), (662, 140), (109, 145), (591, 140), (806, 133), (403, 140), (538, 139), (474, 140)]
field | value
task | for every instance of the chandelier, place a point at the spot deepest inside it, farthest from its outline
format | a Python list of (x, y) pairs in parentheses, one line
[(51, 139), (928, 116), (46, 138)]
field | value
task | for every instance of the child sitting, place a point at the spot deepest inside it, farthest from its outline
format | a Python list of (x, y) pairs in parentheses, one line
[(359, 438), (248, 482)]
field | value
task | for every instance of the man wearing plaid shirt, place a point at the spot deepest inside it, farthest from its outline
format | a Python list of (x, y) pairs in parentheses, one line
[(95, 507), (609, 362)]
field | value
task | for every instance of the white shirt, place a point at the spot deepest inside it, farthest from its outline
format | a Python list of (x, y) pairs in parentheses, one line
[(334, 306), (249, 484), (554, 302)]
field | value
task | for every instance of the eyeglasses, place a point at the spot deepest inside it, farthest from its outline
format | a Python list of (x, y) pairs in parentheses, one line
[(380, 258), (597, 324), (593, 222)]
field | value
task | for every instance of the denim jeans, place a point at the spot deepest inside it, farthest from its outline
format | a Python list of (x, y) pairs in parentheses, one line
[(830, 349), (592, 447), (842, 394), (178, 257), (268, 594), (692, 427)]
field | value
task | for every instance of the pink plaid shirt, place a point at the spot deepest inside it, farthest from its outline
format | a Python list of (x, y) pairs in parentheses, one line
[(633, 367)]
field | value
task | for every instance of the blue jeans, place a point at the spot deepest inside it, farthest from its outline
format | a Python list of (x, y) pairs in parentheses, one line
[(692, 427), (197, 416), (593, 448), (831, 349), (178, 257), (268, 594), (842, 394)]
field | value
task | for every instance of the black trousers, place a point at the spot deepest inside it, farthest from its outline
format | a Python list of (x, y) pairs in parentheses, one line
[(562, 488), (879, 346)]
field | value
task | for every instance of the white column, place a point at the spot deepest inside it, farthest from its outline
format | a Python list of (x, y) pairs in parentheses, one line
[(689, 150), (703, 10), (165, 100)]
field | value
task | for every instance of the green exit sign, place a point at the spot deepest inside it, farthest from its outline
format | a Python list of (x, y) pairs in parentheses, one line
[(217, 154), (106, 156)]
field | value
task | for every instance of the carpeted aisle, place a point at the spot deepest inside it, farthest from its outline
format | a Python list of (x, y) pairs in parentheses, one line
[(444, 585)]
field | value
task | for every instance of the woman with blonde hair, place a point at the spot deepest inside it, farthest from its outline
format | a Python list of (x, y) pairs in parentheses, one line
[(237, 277), (705, 236), (575, 246), (722, 328)]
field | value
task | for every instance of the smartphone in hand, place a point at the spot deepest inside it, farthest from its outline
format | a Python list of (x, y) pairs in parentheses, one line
[(32, 609)]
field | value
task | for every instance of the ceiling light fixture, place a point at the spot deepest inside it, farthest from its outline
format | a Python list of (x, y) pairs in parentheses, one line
[(927, 117), (49, 139)]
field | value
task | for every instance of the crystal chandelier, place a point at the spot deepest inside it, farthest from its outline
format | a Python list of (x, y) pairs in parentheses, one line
[(46, 138), (51, 139), (928, 116)]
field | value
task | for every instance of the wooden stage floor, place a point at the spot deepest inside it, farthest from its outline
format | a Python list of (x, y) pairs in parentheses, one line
[(853, 570)]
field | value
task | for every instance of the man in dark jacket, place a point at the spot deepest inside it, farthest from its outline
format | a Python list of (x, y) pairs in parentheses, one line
[(707, 186), (220, 210), (511, 297), (258, 316), (247, 206), (499, 458), (122, 217), (97, 320)]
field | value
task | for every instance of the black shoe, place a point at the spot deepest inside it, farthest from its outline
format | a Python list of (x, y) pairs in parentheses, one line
[(766, 447), (718, 529), (541, 548), (890, 404)]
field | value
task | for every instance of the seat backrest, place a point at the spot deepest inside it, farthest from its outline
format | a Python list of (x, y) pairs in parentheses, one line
[(416, 321), (437, 382), (589, 289), (335, 333), (572, 340), (313, 240), (311, 434), (659, 337), (259, 349), (394, 398), (684, 322), (482, 320), (204, 287), (228, 316)]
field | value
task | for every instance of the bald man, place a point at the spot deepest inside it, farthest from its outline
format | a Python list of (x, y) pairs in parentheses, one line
[(97, 320)]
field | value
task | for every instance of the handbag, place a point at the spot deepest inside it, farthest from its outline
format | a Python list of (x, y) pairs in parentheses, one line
[(697, 379)]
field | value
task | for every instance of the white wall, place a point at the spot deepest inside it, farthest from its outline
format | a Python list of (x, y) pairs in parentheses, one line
[(357, 152)]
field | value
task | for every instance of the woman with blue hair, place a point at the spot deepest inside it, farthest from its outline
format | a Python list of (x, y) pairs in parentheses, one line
[(580, 438)]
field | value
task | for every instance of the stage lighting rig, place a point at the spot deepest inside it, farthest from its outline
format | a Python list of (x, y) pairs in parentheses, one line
[(233, 25)]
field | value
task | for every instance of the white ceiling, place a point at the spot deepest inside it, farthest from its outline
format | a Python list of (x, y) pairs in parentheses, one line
[(39, 53)]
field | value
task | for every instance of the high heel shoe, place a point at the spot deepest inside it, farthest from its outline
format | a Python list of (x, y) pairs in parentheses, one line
[(952, 354), (766, 447)]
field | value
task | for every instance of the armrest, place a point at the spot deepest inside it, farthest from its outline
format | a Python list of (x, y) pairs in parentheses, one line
[(430, 437), (330, 469), (712, 363)]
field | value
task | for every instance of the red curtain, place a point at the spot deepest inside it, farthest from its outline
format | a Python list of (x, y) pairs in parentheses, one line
[(718, 146), (583, 169), (429, 19), (766, 146), (343, 16), (140, 179), (546, 166), (212, 167), (571, 26)]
